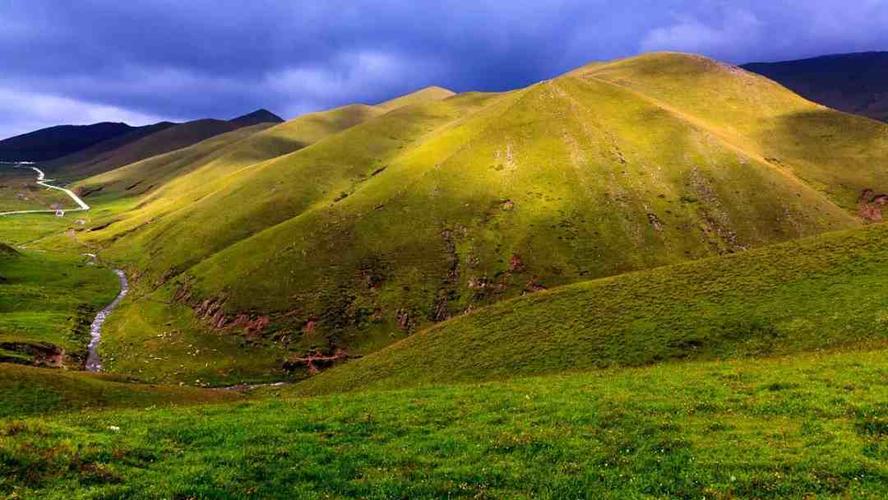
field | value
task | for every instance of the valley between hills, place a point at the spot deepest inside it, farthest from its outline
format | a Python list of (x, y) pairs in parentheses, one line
[(656, 276)]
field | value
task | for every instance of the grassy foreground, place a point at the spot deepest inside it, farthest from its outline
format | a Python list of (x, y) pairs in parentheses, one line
[(788, 427)]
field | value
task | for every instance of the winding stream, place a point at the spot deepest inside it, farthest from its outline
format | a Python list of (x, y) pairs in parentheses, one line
[(93, 361)]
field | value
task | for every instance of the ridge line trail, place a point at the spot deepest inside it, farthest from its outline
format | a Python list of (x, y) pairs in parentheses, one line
[(43, 181)]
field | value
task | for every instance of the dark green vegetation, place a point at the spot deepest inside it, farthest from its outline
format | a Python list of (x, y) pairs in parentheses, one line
[(822, 293), (855, 83), (785, 427), (47, 302)]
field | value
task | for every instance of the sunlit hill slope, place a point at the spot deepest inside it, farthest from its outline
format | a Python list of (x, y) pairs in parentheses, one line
[(404, 217)]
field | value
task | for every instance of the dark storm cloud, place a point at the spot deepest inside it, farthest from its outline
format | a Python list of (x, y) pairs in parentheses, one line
[(82, 61)]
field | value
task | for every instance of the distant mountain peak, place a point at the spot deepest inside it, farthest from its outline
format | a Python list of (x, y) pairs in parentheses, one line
[(854, 83), (261, 115), (59, 140)]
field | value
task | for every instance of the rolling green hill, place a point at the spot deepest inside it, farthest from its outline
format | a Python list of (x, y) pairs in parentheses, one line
[(445, 205), (426, 94), (142, 176), (219, 156), (814, 294), (840, 155)]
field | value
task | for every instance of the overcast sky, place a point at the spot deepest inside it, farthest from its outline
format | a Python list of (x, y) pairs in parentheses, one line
[(66, 61)]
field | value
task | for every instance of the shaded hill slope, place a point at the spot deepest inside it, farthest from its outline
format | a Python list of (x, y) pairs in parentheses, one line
[(142, 176), (99, 149), (813, 294), (854, 83), (256, 117), (142, 143), (441, 207), (162, 141), (53, 142)]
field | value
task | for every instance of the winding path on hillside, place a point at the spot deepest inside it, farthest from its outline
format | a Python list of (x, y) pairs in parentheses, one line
[(43, 181), (93, 361)]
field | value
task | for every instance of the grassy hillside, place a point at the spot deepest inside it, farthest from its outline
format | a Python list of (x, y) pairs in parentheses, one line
[(426, 94), (644, 278), (146, 175), (254, 198), (837, 154), (32, 391), (47, 302), (806, 426), (216, 158), (446, 205), (813, 294), (160, 341)]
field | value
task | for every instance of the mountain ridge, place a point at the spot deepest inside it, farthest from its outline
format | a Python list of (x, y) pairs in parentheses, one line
[(59, 140), (855, 82)]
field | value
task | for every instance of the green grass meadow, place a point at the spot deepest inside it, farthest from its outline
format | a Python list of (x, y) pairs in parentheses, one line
[(810, 425), (47, 302)]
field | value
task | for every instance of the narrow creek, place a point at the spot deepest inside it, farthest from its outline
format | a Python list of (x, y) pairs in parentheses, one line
[(93, 361)]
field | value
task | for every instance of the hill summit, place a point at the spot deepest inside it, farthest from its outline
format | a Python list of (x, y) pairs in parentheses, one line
[(256, 117)]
